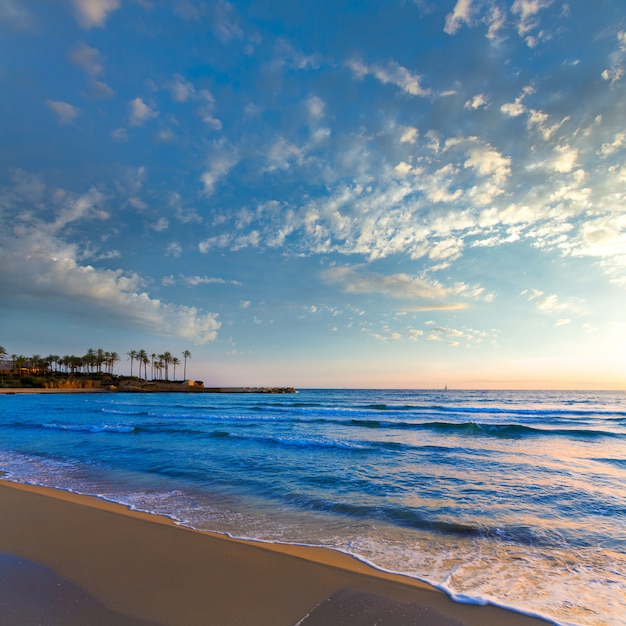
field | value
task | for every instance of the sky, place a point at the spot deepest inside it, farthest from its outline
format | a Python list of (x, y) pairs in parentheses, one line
[(345, 193)]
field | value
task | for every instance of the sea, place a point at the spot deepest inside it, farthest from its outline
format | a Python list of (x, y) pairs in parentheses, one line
[(514, 498)]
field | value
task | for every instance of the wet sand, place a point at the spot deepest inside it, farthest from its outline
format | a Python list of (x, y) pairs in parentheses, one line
[(79, 560)]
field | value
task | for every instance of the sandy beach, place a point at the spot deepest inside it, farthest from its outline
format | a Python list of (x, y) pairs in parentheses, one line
[(20, 390), (70, 559)]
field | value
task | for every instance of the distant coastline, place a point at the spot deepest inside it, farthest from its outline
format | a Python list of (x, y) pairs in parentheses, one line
[(136, 386), (93, 373)]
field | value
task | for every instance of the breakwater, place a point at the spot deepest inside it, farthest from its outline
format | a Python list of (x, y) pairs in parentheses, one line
[(249, 390)]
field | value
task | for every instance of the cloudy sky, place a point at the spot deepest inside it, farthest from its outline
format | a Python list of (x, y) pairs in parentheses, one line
[(408, 193)]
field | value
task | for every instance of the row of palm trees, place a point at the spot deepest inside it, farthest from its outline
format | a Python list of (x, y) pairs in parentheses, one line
[(159, 363), (99, 361)]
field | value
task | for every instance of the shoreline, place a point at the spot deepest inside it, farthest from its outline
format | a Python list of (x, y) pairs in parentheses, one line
[(9, 391), (186, 390), (143, 566)]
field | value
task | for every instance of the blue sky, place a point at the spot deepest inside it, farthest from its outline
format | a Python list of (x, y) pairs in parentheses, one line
[(409, 193)]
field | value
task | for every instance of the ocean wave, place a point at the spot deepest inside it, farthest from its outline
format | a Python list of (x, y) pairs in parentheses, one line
[(422, 520), (91, 428), (505, 431), (298, 442), (181, 425), (124, 412), (548, 412), (617, 462)]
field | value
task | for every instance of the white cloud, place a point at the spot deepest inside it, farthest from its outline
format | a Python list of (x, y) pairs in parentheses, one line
[(206, 109), (194, 281), (222, 241), (565, 159), (174, 249), (41, 268), (315, 107), (66, 113), (459, 15), (85, 206), (252, 239), (496, 20), (527, 10), (181, 89), (188, 216), (535, 120), (539, 120), (89, 59), (403, 168), (219, 164), (604, 236), (409, 135), (431, 294), (513, 109), (550, 303), (161, 225), (101, 90), (281, 154), (613, 75), (90, 13), (487, 161), (225, 24), (619, 141), (415, 333), (478, 101), (288, 56), (391, 73), (140, 112)]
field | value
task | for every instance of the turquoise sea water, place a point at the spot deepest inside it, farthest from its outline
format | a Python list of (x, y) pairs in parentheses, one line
[(515, 498)]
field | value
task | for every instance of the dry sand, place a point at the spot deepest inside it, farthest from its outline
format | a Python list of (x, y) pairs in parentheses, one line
[(69, 559)]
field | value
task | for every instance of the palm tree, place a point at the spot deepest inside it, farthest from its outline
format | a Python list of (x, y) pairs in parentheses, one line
[(114, 357), (18, 363), (100, 359), (175, 362), (142, 358), (153, 357), (166, 357), (35, 363), (186, 355), (133, 355), (16, 369), (76, 363), (90, 359), (3, 353)]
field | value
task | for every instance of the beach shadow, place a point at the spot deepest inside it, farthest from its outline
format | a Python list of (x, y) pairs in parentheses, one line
[(349, 607), (31, 593)]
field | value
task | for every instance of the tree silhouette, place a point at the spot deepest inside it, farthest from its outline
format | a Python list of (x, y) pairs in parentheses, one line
[(133, 355), (186, 355), (142, 358)]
